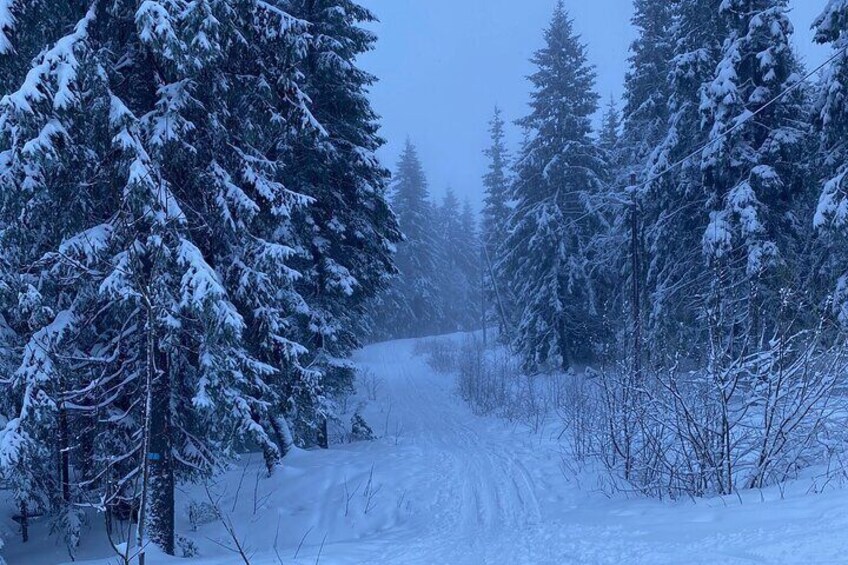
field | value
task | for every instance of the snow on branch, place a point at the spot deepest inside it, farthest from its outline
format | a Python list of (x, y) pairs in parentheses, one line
[(58, 65), (7, 25)]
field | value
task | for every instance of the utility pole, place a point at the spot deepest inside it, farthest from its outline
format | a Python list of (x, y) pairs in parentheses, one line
[(501, 309), (636, 290), (483, 289)]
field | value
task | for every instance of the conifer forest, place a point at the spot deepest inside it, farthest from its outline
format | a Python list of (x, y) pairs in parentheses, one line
[(423, 282)]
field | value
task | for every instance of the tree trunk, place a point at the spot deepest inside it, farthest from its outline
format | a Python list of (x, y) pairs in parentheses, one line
[(84, 458), (283, 435), (64, 455), (24, 522), (160, 461), (323, 434)]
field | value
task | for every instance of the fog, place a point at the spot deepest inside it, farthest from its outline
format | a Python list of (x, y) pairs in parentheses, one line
[(444, 64)]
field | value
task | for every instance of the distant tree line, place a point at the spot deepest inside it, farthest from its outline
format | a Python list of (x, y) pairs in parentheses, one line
[(438, 286)]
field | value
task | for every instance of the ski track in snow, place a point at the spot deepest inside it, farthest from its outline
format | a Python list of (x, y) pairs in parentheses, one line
[(455, 488), (489, 493)]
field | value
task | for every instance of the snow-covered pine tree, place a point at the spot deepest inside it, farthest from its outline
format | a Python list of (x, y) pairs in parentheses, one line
[(411, 307), (470, 264), (646, 86), (458, 273), (23, 34), (548, 258), (348, 231), (756, 189), (645, 118), (149, 235), (447, 232), (609, 135), (673, 202), (495, 223), (831, 115)]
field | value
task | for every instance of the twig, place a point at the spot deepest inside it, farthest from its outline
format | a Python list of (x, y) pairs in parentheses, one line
[(320, 549), (300, 545)]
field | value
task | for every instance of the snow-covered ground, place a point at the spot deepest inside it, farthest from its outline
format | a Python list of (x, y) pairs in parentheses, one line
[(443, 486)]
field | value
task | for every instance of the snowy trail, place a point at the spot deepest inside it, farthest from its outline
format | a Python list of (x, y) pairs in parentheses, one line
[(484, 492), (479, 486), (453, 488)]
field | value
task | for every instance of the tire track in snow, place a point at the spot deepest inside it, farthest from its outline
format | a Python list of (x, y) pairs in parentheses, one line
[(473, 483)]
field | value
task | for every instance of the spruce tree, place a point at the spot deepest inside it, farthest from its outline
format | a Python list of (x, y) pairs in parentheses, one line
[(756, 192), (149, 230), (549, 255), (411, 307), (645, 118), (673, 199), (348, 231), (831, 117), (458, 273), (646, 84), (470, 265), (610, 133), (449, 275), (495, 223)]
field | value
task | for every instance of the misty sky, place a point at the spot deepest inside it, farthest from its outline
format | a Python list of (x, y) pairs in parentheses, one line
[(444, 64)]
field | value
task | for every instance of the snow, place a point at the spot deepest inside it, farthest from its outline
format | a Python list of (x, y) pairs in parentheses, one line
[(200, 286), (718, 237), (43, 144), (89, 244), (59, 61), (37, 364), (7, 25), (445, 486), (154, 25), (832, 206)]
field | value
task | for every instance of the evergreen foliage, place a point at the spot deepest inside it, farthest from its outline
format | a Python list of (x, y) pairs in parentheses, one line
[(548, 256), (495, 222), (178, 280)]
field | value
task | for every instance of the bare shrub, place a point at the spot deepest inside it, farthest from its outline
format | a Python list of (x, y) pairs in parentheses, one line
[(743, 422), (371, 384), (579, 408), (441, 353), (492, 382), (485, 378), (530, 404), (201, 513)]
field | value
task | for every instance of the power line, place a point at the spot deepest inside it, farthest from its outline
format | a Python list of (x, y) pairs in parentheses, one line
[(742, 122)]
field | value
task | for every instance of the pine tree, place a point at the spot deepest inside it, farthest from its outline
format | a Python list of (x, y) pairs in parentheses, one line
[(458, 272), (673, 202), (610, 134), (153, 259), (645, 118), (470, 265), (756, 191), (348, 231), (831, 115), (449, 276), (559, 173), (495, 222), (646, 84), (411, 306)]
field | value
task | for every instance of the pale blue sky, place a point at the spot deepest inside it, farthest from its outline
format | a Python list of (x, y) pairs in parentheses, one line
[(444, 64)]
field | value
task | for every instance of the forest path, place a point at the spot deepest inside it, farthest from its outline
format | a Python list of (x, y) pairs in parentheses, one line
[(483, 491), (473, 483), (443, 486)]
